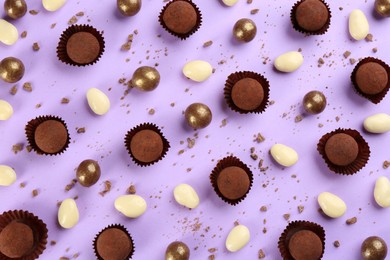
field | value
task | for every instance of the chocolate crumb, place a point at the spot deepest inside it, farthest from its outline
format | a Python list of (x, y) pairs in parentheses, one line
[(80, 14), (71, 185), (76, 255), (386, 164), (264, 230), (212, 250), (151, 111), (64, 258), (23, 34), (351, 221), (190, 143), (321, 62), (180, 152), (263, 208), (33, 12), (336, 244), (249, 1), (81, 130), (27, 87), (38, 105), (35, 46), (107, 188), (254, 156), (254, 11), (72, 20), (298, 119), (53, 243), (236, 223), (172, 104), (261, 254), (286, 216), (29, 148), (223, 123), (53, 25), (259, 138), (346, 54), (65, 100), (352, 61), (369, 37), (35, 192), (374, 50), (211, 257), (13, 90), (22, 185), (17, 148), (131, 189), (300, 209), (207, 44)]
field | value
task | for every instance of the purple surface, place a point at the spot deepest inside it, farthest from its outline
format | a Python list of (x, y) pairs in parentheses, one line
[(166, 221)]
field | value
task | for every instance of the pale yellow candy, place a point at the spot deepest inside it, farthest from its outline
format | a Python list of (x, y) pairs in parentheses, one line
[(8, 32), (6, 110), (332, 205), (68, 213), (358, 25), (7, 175), (382, 192), (98, 101), (53, 5), (377, 124), (289, 61), (131, 206), (197, 70), (186, 195), (284, 155), (229, 2), (238, 237)]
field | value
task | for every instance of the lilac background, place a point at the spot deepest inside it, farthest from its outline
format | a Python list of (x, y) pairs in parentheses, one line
[(166, 221)]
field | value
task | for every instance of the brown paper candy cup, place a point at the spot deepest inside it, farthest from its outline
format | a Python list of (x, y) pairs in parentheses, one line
[(355, 166), (53, 145), (237, 76), (145, 126), (298, 28), (225, 163), (37, 226), (84, 50), (291, 229), (376, 98)]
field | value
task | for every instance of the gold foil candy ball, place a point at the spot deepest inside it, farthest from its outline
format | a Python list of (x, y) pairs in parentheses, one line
[(382, 7), (11, 69), (177, 251), (146, 78), (244, 30), (314, 102), (129, 7), (88, 172), (15, 8), (374, 248), (198, 115)]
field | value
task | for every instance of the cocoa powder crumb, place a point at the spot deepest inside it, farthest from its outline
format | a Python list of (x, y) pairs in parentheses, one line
[(236, 223), (131, 189), (151, 111), (23, 34), (300, 209), (22, 185), (369, 37), (346, 54), (27, 87), (298, 119), (261, 254), (259, 138), (33, 12), (35, 46), (263, 208), (351, 221), (286, 216), (35, 192), (374, 50), (207, 44), (254, 11), (29, 148), (53, 243), (212, 250), (65, 100), (17, 148), (81, 130), (107, 188), (386, 164), (64, 258), (223, 123), (72, 20), (190, 142), (254, 156), (13, 90), (336, 244), (80, 14), (53, 25), (352, 61), (211, 257), (249, 1), (69, 186)]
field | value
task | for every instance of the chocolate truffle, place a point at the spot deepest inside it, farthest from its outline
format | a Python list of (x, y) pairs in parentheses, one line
[(16, 240), (114, 242), (181, 18), (177, 251), (341, 149), (314, 102), (311, 16), (374, 248), (88, 173)]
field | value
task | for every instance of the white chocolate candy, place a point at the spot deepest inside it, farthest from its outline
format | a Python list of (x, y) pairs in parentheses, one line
[(332, 205), (229, 2), (6, 110), (68, 213), (289, 61), (53, 5), (8, 32), (377, 124), (131, 206), (358, 25), (7, 175), (238, 237), (186, 195), (382, 192), (98, 101), (197, 70), (284, 155)]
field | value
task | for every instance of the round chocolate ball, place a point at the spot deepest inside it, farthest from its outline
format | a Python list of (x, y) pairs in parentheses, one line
[(382, 7), (88, 172), (198, 115), (311, 15), (177, 251), (374, 248), (129, 7), (16, 240), (145, 78), (305, 244), (11, 69), (371, 78), (83, 47), (51, 136), (180, 17), (244, 30), (341, 149), (15, 8), (314, 102), (114, 243), (147, 146), (247, 94), (233, 182)]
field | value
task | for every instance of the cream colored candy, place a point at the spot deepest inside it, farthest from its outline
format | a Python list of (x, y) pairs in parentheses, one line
[(98, 101), (6, 110), (289, 61), (377, 124), (68, 213), (8, 32), (229, 2), (197, 70), (358, 25), (382, 192), (131, 206), (53, 5), (186, 195), (284, 155), (332, 205), (238, 237), (7, 175)]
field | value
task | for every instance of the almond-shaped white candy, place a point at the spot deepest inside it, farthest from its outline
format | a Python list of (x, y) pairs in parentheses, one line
[(68, 213), (382, 192), (98, 101), (238, 237), (131, 206), (8, 32), (197, 70), (289, 61), (358, 25), (53, 5), (377, 124), (284, 155), (332, 205), (230, 2), (6, 110), (7, 175), (186, 196)]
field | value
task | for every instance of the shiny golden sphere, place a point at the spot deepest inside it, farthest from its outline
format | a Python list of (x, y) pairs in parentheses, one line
[(244, 30), (88, 172), (15, 8), (382, 7), (314, 102), (198, 115), (129, 7), (146, 78), (177, 251), (11, 69), (374, 248)]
